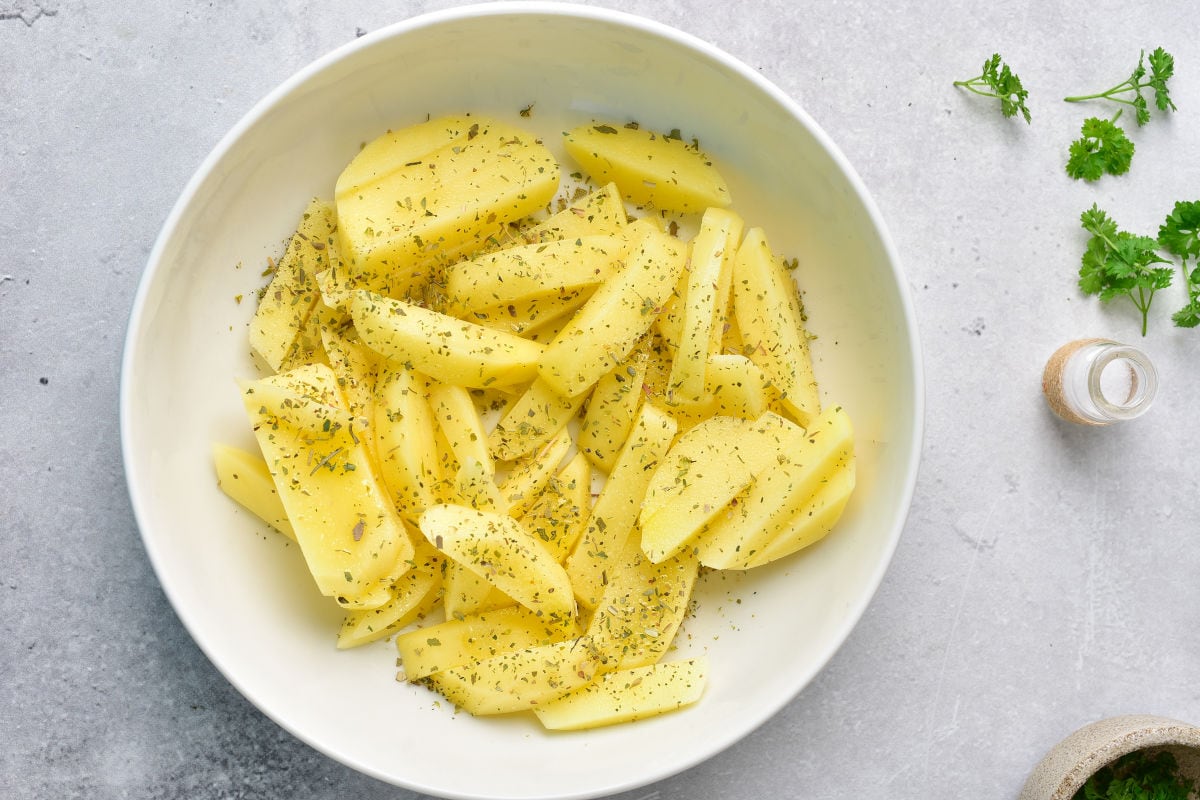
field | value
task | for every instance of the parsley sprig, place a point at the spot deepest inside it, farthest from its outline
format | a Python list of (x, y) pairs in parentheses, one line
[(1118, 263), (1180, 235), (1102, 147), (999, 81), (1137, 776), (1162, 67)]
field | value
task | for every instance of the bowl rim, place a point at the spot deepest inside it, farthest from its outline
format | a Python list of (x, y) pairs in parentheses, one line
[(725, 738)]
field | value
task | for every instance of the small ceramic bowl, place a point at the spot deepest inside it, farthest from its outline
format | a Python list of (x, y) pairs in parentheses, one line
[(1076, 758)]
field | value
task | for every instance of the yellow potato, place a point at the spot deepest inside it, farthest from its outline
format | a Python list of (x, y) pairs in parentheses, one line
[(414, 595), (813, 521), (516, 681), (398, 223), (612, 519), (347, 528), (477, 637), (649, 168), (770, 318), (558, 514), (804, 460), (708, 467), (642, 608), (532, 421), (496, 548), (600, 212), (245, 478), (612, 409), (711, 255), (405, 439), (448, 350), (289, 299), (456, 416), (530, 476), (615, 318), (737, 387), (627, 695), (525, 272)]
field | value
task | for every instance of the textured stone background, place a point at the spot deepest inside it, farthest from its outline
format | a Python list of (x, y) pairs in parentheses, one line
[(1047, 576)]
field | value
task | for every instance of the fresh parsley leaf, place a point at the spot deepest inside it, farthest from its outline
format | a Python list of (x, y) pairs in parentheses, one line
[(1180, 235), (1101, 148), (1118, 263), (1162, 67), (999, 81)]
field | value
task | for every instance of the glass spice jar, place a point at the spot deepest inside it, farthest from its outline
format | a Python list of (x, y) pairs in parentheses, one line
[(1099, 382)]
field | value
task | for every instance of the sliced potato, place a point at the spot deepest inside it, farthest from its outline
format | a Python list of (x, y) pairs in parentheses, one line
[(812, 522), (477, 637), (525, 272), (708, 467), (517, 681), (347, 528), (405, 439), (711, 257), (804, 460), (628, 695), (611, 522), (612, 408), (558, 514), (529, 476), (292, 293), (615, 318), (496, 548), (642, 607), (600, 212), (244, 477), (413, 596), (447, 349), (771, 321), (649, 168), (417, 210), (533, 420)]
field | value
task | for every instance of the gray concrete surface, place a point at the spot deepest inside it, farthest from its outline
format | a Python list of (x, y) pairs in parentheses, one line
[(1047, 576)]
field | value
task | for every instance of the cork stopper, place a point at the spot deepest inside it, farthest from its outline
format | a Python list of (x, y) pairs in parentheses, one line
[(1053, 381)]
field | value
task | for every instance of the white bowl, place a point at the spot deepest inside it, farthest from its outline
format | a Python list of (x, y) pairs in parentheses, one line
[(241, 590)]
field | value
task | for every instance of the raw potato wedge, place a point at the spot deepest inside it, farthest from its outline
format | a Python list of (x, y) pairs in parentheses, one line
[(516, 274), (533, 420), (814, 520), (347, 528), (598, 213), (612, 520), (405, 439), (650, 169), (708, 467), (530, 475), (289, 299), (517, 681), (770, 318), (712, 251), (459, 421), (414, 595), (804, 460), (612, 409), (477, 637), (558, 514), (737, 387), (642, 607), (615, 318), (627, 695), (418, 210), (446, 349), (496, 548), (245, 478)]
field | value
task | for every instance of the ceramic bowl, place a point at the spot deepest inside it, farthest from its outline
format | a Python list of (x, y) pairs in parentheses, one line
[(1076, 758), (241, 591)]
